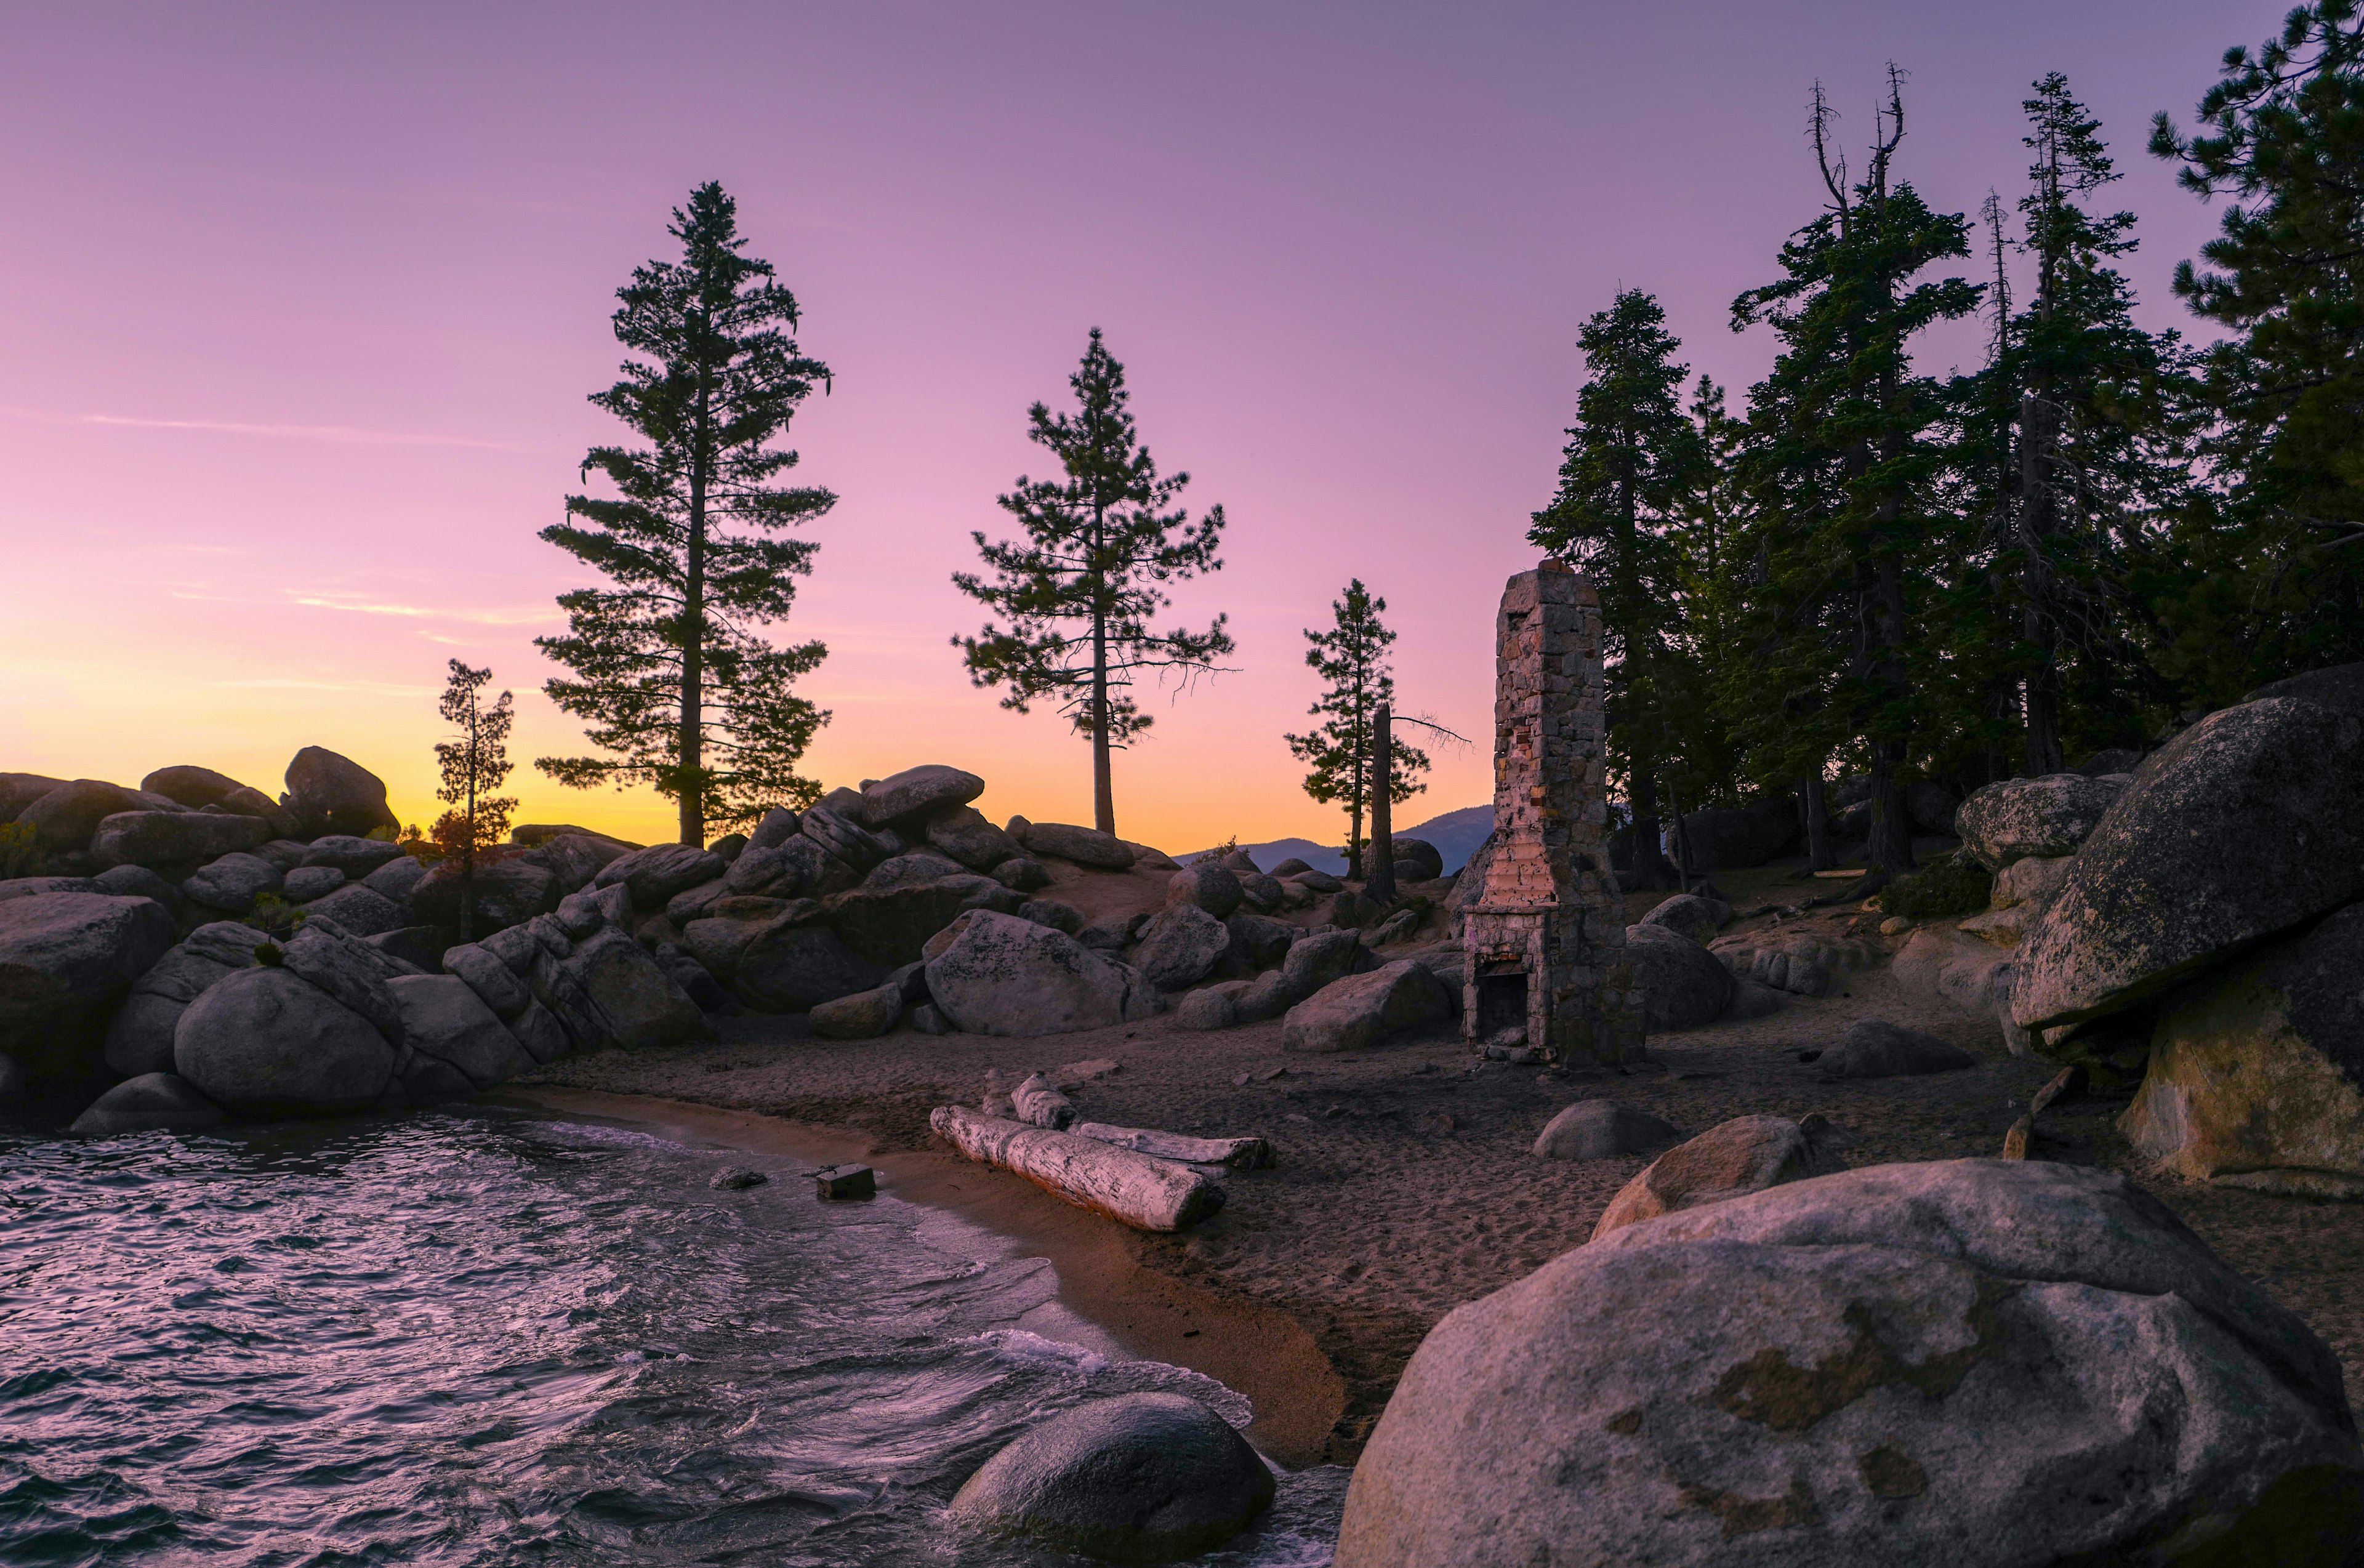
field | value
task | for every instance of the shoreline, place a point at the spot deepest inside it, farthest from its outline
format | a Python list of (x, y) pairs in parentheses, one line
[(1255, 1349)]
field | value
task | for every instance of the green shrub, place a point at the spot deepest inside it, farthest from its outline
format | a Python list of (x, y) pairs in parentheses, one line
[(1942, 890), (273, 916), (19, 856)]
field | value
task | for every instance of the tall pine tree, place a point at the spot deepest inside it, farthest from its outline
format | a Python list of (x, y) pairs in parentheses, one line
[(2279, 579), (1848, 456), (1351, 657), (671, 669), (474, 765), (1101, 543), (1630, 467)]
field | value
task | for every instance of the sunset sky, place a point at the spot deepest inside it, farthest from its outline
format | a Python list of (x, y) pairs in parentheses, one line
[(303, 302)]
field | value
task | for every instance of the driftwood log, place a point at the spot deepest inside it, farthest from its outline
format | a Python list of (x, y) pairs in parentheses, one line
[(1039, 1102), (1235, 1153), (1147, 1194)]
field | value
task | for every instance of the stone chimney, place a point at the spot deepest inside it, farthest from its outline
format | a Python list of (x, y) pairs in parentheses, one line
[(1544, 937)]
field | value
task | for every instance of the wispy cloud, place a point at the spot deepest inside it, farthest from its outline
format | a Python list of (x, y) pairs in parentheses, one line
[(343, 434), (327, 601)]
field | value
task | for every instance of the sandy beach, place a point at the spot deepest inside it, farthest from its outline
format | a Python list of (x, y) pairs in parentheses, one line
[(1405, 1184)]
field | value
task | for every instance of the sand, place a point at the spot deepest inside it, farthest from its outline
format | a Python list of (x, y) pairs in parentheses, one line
[(1405, 1184)]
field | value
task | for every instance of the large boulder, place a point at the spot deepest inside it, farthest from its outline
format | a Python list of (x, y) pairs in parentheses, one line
[(1427, 862), (356, 857), (495, 984), (842, 838), (1604, 1130), (331, 794), (1359, 1010), (611, 992), (264, 1040), (910, 869), (2005, 1364), (1732, 838), (232, 883), (2246, 824), (347, 969), (178, 841), (1181, 945), (509, 888), (193, 786), (890, 926), (923, 791), (67, 817), (655, 874), (2257, 1071), (2048, 816), (19, 791), (1874, 1048), (1003, 975), (152, 1102), (1206, 883), (358, 909), (573, 859), (1257, 943), (1683, 984), (964, 833), (65, 959), (443, 1017), (1732, 1159), (306, 882), (139, 1034), (1137, 1478), (789, 967), (2339, 688), (1695, 916), (1084, 846)]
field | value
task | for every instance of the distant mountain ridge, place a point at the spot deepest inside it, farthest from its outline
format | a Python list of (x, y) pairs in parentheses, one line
[(1456, 834)]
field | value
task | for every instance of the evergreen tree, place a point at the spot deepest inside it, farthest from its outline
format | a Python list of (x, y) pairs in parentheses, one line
[(2276, 583), (1100, 545), (671, 670), (1351, 657), (474, 765), (2093, 466), (1631, 466), (1847, 463)]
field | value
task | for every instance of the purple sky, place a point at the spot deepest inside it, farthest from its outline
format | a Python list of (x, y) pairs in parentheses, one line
[(307, 299)]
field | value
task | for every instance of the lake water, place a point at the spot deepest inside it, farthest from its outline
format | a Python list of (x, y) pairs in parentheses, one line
[(486, 1337)]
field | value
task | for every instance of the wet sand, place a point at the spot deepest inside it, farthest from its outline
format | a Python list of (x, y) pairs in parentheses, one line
[(1405, 1184)]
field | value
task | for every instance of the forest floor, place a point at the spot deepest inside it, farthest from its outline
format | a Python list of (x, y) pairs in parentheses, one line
[(1405, 1184)]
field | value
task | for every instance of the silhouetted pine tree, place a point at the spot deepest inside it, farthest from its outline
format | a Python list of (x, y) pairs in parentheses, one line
[(1351, 657)]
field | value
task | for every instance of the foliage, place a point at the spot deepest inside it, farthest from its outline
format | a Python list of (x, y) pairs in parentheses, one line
[(671, 670), (20, 853), (1101, 544), (1350, 655), (2275, 585), (1946, 888), (273, 916), (474, 765)]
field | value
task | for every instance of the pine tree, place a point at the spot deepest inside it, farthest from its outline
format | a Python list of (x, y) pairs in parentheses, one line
[(2278, 584), (1351, 657), (671, 670), (1845, 468), (1631, 466), (472, 766), (1100, 545), (2093, 467)]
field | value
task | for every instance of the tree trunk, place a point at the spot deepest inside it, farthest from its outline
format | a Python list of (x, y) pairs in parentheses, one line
[(1354, 842), (1891, 826), (1819, 856), (1103, 780), (1380, 885), (1650, 867), (693, 651), (1147, 1192)]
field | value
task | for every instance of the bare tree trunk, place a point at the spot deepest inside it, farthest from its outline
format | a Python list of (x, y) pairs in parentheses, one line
[(1819, 855), (693, 651), (1891, 825), (1380, 885), (1650, 867), (1103, 780)]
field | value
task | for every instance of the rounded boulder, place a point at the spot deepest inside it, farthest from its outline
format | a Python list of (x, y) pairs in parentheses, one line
[(1683, 984), (262, 1040), (1138, 1478), (1604, 1130)]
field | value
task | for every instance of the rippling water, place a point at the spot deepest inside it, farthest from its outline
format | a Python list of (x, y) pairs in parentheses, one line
[(489, 1339)]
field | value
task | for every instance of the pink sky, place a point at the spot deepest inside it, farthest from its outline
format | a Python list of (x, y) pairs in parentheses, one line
[(304, 301)]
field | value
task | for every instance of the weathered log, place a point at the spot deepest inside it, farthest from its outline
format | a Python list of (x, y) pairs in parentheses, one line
[(1039, 1102), (1234, 1153), (1147, 1194)]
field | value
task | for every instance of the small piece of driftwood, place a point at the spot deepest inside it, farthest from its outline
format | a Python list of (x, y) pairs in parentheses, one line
[(1039, 1102), (1144, 1193), (1231, 1153)]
